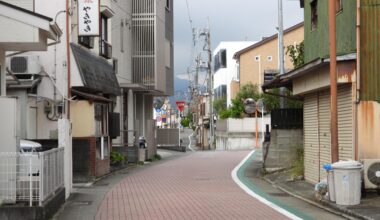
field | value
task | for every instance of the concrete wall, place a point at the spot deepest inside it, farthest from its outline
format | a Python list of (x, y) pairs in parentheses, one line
[(239, 134), (282, 149)]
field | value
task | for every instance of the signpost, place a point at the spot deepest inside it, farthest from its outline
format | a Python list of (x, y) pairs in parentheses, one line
[(181, 107), (251, 106)]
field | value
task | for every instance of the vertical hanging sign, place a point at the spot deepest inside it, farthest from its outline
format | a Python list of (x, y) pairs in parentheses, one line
[(88, 17)]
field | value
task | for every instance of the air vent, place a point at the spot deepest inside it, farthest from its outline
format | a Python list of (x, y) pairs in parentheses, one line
[(19, 64), (372, 174)]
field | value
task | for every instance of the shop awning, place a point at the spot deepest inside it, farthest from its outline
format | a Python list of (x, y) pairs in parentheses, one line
[(97, 74)]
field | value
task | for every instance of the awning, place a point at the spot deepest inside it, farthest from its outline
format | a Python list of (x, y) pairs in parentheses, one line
[(97, 74), (285, 80)]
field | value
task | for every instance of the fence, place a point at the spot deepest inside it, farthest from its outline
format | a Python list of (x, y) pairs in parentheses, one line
[(168, 137), (287, 118), (30, 177)]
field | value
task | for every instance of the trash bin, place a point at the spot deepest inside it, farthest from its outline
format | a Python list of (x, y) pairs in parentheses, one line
[(347, 182), (330, 181)]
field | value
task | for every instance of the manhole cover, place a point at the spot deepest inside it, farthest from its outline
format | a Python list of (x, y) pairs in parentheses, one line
[(280, 194)]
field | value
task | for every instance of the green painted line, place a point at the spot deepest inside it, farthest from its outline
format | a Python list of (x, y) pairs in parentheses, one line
[(254, 188)]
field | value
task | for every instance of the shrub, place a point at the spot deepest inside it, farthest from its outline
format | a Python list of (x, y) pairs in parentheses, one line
[(157, 157), (116, 157), (298, 163)]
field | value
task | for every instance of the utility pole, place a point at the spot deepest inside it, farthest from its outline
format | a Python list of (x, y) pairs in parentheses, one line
[(281, 50), (333, 83), (211, 85)]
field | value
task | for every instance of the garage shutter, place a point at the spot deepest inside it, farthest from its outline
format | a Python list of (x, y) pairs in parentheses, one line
[(324, 131), (345, 123), (311, 143)]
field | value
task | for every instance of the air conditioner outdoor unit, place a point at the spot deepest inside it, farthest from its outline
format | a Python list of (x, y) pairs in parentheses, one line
[(25, 67), (372, 173)]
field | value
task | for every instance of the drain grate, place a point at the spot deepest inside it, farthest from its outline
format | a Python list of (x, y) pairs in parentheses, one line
[(101, 184), (82, 202)]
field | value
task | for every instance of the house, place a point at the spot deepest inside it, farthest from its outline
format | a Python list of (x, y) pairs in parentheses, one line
[(145, 65), (225, 68), (357, 79), (25, 30), (258, 63)]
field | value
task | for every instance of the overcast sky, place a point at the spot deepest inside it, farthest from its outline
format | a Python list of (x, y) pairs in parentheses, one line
[(230, 20)]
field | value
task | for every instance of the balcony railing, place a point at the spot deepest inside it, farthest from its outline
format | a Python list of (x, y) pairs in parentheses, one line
[(105, 49), (30, 177)]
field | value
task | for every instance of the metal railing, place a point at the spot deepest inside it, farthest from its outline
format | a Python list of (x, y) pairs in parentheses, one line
[(105, 49), (30, 177)]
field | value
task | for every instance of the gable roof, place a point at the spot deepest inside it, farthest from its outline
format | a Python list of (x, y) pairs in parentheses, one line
[(266, 40)]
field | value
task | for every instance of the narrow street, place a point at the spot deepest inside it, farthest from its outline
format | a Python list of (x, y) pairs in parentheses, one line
[(192, 185), (184, 189)]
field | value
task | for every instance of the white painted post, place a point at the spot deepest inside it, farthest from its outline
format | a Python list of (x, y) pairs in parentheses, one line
[(30, 182), (41, 182)]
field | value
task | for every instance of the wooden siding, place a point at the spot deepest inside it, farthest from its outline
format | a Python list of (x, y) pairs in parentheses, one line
[(370, 50), (317, 41), (311, 139)]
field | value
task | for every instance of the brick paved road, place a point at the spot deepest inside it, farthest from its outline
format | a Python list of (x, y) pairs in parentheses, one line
[(198, 186)]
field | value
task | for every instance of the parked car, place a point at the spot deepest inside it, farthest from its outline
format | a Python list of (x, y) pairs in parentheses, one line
[(29, 155)]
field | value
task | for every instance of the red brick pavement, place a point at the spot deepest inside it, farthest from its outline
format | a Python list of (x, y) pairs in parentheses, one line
[(198, 186)]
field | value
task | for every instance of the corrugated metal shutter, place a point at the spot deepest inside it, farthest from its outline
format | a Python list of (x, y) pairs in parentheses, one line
[(345, 123), (311, 142), (324, 131)]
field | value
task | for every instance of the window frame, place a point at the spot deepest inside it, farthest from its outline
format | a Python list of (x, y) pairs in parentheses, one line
[(314, 15)]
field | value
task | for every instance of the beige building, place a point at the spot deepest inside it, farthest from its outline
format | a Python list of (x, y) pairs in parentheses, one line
[(260, 60)]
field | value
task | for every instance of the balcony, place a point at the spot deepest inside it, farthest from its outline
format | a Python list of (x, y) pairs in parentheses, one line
[(105, 49)]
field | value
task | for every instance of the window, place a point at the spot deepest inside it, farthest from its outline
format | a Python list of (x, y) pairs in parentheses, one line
[(220, 60), (167, 4), (257, 58), (105, 49), (314, 14), (122, 35), (338, 5), (115, 66), (86, 41), (270, 58), (104, 28)]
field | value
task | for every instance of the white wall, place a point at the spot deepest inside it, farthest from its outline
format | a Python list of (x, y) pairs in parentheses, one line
[(224, 76)]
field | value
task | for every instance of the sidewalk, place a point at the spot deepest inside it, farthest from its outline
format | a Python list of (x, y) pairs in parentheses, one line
[(85, 200), (368, 209)]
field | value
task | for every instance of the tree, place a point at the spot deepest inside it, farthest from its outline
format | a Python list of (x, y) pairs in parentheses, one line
[(251, 91), (297, 54), (220, 104)]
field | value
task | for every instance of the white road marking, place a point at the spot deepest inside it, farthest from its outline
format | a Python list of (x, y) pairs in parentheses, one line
[(256, 196), (190, 142)]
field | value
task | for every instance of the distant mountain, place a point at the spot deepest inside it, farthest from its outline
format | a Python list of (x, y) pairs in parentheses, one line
[(181, 84)]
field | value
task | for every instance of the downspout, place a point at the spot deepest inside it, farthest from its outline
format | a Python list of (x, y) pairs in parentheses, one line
[(357, 92), (68, 58)]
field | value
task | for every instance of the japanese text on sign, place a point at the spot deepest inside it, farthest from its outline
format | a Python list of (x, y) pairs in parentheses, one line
[(88, 17)]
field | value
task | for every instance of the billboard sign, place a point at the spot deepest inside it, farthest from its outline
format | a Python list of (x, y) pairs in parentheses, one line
[(88, 17)]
